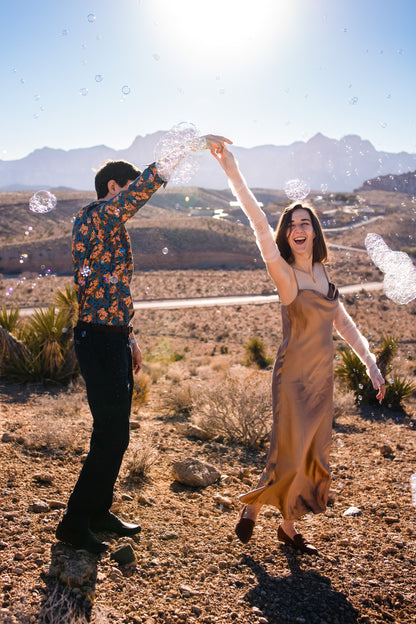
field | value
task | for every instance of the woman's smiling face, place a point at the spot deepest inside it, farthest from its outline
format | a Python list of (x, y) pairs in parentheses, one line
[(300, 233)]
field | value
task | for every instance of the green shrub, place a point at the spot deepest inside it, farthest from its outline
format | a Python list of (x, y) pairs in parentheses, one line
[(256, 353), (354, 373)]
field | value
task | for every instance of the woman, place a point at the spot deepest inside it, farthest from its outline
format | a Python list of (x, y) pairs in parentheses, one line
[(296, 477)]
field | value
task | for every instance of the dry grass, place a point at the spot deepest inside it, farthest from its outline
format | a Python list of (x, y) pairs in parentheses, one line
[(140, 460), (236, 408)]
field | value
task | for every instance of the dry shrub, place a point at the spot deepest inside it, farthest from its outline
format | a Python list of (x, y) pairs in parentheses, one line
[(55, 436), (141, 389), (236, 407), (177, 401), (156, 370), (63, 606), (139, 461)]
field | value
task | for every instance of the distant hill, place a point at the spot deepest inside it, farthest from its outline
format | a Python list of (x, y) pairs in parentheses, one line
[(404, 183), (324, 163)]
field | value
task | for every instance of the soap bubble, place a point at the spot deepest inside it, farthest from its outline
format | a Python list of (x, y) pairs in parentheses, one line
[(42, 201), (99, 78), (353, 100), (85, 271), (175, 153), (296, 189), (400, 280), (91, 17), (156, 57), (165, 251), (113, 279), (125, 89), (83, 91)]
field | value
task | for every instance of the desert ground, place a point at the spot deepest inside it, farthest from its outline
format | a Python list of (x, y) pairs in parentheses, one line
[(187, 565)]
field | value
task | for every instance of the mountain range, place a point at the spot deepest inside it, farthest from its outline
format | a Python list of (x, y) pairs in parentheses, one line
[(323, 163)]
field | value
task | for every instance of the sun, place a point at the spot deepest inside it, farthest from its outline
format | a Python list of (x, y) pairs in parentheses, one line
[(209, 31)]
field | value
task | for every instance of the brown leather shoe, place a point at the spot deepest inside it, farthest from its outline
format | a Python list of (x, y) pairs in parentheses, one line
[(298, 542), (244, 527)]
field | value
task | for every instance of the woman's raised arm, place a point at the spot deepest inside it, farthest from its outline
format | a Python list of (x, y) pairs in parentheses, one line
[(279, 270)]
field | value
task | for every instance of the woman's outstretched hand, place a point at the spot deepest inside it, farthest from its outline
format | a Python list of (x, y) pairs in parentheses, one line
[(215, 143), (377, 380), (226, 159)]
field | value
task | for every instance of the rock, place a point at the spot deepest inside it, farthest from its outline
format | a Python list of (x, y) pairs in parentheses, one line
[(7, 437), (7, 618), (134, 424), (43, 478), (123, 555), (352, 511), (144, 500), (187, 591), (126, 497), (195, 473), (193, 431), (55, 504), (223, 500), (386, 450), (39, 507)]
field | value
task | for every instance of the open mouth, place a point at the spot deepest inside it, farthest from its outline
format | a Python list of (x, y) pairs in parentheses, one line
[(300, 240)]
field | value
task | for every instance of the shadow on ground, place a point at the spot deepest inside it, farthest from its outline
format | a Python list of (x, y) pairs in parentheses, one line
[(303, 596)]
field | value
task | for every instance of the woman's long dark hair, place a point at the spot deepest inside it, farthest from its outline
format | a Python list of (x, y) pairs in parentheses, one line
[(320, 249)]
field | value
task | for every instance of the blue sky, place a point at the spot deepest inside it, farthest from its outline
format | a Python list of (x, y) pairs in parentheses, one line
[(260, 72)]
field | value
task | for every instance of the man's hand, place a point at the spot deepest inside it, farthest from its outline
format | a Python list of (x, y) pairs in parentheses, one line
[(215, 143), (137, 358)]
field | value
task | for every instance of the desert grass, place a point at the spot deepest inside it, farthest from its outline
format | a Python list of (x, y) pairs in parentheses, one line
[(237, 407)]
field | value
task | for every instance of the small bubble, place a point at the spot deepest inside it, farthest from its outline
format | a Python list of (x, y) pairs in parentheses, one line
[(113, 279), (187, 198), (99, 78), (64, 32), (85, 271), (83, 91), (156, 57), (125, 89), (165, 250), (353, 100), (91, 17)]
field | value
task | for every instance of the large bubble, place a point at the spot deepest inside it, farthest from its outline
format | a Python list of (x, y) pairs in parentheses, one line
[(42, 201), (297, 190), (176, 153), (400, 279)]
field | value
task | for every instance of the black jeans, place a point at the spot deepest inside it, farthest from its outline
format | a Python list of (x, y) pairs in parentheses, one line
[(106, 364)]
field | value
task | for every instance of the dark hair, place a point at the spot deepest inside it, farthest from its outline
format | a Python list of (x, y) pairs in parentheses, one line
[(120, 171), (320, 249)]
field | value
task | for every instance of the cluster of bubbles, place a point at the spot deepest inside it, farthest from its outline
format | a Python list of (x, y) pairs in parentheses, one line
[(297, 190), (175, 153), (42, 201), (400, 274)]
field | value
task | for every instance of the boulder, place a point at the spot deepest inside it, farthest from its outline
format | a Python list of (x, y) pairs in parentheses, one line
[(195, 473)]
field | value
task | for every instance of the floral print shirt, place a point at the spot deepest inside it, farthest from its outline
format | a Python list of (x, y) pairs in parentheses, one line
[(101, 252)]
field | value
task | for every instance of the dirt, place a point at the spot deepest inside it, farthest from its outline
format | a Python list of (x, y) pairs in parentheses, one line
[(189, 565)]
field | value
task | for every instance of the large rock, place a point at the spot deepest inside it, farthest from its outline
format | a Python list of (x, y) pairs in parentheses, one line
[(195, 473)]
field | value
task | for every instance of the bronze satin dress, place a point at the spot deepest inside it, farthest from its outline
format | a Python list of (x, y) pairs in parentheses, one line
[(296, 477)]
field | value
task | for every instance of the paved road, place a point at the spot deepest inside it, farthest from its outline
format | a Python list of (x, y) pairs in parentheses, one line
[(199, 302)]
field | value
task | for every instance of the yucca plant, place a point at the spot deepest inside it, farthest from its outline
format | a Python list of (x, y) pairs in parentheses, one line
[(9, 318), (43, 351), (354, 373), (67, 303)]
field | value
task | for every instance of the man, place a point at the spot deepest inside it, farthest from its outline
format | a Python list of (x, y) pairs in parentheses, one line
[(106, 349)]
